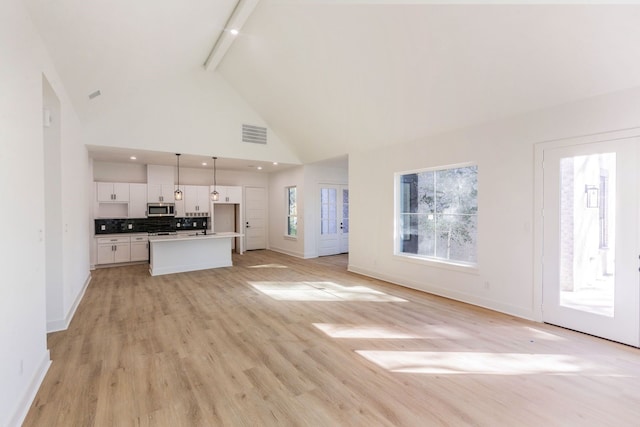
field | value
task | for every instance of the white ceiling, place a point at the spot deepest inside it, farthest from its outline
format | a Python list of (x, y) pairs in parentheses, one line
[(335, 77), (116, 46), (346, 77)]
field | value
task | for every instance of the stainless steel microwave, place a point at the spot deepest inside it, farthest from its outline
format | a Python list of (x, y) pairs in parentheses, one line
[(161, 209)]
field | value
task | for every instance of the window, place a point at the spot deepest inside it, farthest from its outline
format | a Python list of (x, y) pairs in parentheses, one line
[(437, 214), (292, 212)]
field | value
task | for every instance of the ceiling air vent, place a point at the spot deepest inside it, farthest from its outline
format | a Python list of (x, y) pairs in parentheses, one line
[(254, 134)]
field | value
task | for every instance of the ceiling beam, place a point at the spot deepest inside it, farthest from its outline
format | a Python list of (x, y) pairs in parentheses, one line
[(236, 20)]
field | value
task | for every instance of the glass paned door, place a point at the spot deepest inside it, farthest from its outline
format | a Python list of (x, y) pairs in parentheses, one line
[(334, 220), (590, 241)]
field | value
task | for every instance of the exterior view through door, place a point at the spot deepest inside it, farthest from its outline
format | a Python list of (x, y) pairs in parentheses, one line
[(334, 220), (591, 239)]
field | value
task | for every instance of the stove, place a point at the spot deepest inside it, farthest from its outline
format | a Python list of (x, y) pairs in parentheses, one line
[(163, 233)]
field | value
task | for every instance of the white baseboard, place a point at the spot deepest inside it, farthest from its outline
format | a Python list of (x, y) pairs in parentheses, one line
[(286, 252), (63, 324), (27, 399), (448, 293)]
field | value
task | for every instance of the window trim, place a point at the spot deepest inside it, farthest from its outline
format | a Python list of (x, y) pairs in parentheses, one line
[(288, 216), (397, 232)]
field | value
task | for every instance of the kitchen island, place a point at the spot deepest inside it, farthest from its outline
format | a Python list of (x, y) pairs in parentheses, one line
[(180, 253)]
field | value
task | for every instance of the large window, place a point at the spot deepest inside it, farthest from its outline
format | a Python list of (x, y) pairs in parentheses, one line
[(437, 214), (292, 212)]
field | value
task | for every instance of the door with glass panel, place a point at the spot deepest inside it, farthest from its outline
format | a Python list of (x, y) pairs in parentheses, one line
[(591, 239), (334, 220)]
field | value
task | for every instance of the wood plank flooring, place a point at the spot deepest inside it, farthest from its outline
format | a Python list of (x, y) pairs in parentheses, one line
[(280, 341)]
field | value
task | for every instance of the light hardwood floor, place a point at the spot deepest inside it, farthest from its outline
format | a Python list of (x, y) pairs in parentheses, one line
[(279, 341)]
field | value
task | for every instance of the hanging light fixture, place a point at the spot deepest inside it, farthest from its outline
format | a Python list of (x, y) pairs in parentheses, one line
[(178, 193), (214, 194)]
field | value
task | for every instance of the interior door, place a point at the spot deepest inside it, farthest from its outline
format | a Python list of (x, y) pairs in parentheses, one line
[(334, 220), (590, 239), (255, 218)]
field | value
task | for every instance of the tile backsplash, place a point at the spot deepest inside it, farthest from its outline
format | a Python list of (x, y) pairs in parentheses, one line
[(149, 225)]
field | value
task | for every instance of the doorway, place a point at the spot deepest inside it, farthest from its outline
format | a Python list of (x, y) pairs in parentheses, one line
[(334, 220), (590, 238), (53, 234)]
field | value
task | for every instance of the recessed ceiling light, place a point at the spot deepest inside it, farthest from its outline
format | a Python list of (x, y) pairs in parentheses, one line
[(259, 168), (204, 163), (275, 163), (133, 157), (234, 31)]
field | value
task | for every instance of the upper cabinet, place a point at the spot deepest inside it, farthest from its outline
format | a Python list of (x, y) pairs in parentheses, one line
[(137, 200), (112, 191), (160, 193), (160, 185), (229, 194), (196, 200)]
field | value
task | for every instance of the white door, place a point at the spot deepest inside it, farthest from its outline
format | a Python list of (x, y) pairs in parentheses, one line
[(255, 218), (590, 239), (334, 220)]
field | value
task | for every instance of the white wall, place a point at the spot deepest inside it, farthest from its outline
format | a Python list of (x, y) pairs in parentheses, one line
[(307, 180), (24, 357), (504, 152), (119, 172), (194, 113), (278, 181)]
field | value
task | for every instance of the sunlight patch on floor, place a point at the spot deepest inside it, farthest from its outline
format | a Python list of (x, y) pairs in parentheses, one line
[(321, 291), (543, 335), (443, 363), (268, 266), (363, 331)]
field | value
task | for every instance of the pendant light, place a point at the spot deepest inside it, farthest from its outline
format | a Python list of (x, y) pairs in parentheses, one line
[(178, 193), (214, 194)]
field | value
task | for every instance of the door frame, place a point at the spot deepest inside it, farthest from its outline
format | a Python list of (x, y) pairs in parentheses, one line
[(538, 203)]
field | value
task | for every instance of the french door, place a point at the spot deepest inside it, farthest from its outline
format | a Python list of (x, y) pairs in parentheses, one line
[(334, 220), (590, 279)]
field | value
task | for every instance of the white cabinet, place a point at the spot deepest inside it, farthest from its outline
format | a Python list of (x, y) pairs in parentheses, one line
[(140, 248), (229, 194), (160, 193), (137, 200), (196, 200), (112, 250), (112, 191)]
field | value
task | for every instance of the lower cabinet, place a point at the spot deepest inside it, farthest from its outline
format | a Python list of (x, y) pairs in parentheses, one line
[(113, 250), (140, 248)]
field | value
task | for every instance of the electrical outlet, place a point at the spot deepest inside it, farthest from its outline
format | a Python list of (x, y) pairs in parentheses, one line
[(487, 285), (103, 227), (130, 226)]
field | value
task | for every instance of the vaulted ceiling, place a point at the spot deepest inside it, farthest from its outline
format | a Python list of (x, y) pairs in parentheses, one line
[(335, 77)]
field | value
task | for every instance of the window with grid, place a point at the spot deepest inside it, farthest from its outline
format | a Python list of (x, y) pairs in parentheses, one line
[(437, 214), (292, 211)]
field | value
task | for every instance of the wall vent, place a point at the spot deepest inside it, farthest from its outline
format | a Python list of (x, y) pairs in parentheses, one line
[(254, 134)]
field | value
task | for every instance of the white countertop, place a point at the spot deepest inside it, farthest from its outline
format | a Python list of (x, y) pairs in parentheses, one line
[(194, 236)]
